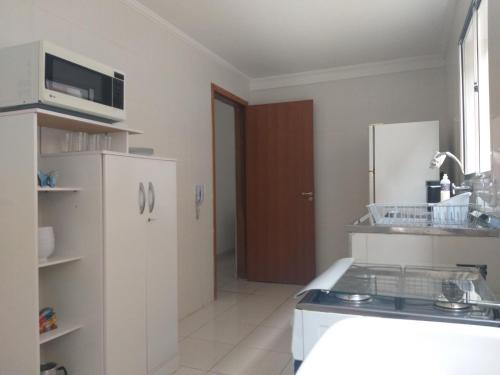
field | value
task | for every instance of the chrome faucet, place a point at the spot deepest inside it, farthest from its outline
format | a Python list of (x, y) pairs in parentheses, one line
[(461, 189)]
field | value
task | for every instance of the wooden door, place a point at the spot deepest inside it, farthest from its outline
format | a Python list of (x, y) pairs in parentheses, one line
[(280, 192), (161, 263), (124, 267)]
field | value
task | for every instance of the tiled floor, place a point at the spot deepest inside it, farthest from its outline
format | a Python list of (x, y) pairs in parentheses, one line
[(247, 330)]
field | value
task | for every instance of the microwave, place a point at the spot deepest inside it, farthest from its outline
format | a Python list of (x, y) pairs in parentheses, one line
[(45, 75)]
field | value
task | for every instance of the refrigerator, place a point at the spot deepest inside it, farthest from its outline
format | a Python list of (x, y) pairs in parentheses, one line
[(399, 161)]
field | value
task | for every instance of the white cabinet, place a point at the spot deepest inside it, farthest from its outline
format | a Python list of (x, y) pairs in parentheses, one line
[(140, 264), (161, 266), (125, 252), (112, 279), (391, 248)]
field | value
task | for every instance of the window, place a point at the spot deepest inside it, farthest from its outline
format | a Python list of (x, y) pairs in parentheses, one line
[(475, 101)]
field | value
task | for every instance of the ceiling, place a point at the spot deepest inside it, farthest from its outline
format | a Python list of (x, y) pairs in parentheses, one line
[(265, 38)]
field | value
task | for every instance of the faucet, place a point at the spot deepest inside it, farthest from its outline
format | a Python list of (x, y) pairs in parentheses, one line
[(460, 189), (439, 158)]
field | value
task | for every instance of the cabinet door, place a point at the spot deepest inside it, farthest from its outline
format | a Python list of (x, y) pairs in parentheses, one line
[(400, 249), (125, 267), (161, 263)]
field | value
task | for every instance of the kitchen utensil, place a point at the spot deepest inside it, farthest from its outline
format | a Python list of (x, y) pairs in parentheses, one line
[(46, 243), (51, 368), (452, 291)]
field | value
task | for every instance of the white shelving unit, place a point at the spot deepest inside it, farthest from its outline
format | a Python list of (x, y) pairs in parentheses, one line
[(62, 330), (56, 260), (71, 282), (112, 281)]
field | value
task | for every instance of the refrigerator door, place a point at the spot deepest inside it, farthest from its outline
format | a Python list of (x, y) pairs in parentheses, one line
[(371, 182), (401, 158), (371, 146)]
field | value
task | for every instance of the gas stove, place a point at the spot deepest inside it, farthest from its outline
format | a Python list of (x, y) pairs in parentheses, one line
[(400, 308), (347, 289)]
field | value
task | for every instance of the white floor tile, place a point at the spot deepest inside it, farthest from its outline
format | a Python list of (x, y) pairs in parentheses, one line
[(249, 361), (283, 316), (239, 286), (252, 310), (247, 330), (269, 338), (284, 291), (196, 320), (201, 354), (228, 329), (189, 371), (225, 300)]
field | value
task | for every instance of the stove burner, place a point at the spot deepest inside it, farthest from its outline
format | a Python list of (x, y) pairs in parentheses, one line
[(452, 306), (353, 298)]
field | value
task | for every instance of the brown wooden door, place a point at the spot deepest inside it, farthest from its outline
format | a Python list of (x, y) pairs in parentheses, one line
[(279, 177)]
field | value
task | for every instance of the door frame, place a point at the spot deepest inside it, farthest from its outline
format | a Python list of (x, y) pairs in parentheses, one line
[(239, 106)]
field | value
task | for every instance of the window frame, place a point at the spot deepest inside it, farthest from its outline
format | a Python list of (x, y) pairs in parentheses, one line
[(481, 139)]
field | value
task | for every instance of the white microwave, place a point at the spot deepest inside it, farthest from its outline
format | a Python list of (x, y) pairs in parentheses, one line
[(42, 74)]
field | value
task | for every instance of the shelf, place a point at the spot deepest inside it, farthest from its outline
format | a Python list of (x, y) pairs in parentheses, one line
[(56, 120), (54, 261), (68, 189), (62, 330)]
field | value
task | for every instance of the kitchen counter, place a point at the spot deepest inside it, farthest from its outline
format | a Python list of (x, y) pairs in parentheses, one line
[(363, 225)]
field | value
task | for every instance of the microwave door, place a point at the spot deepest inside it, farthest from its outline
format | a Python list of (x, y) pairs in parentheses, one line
[(65, 77)]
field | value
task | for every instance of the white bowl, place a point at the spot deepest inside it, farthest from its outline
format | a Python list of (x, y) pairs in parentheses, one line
[(46, 243)]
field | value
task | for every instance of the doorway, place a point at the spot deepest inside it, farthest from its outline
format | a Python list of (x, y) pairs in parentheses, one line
[(263, 178), (228, 137)]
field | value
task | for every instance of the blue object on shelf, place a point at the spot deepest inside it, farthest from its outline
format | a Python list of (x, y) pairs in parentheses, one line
[(49, 179), (42, 179)]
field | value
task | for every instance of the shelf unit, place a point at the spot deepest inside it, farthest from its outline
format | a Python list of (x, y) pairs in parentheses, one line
[(62, 330), (71, 281), (62, 121), (56, 260)]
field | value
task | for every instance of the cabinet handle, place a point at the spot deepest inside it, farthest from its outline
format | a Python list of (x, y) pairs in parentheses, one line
[(142, 198), (151, 197)]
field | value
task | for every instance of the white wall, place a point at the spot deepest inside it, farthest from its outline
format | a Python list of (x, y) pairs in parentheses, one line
[(342, 111), (168, 96), (225, 168)]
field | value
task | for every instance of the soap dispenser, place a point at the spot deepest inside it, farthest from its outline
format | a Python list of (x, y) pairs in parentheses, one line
[(445, 188)]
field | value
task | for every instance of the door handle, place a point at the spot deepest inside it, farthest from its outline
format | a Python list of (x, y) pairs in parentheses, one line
[(142, 198), (308, 194), (151, 197)]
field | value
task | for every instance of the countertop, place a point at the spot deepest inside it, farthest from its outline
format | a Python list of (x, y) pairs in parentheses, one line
[(363, 225)]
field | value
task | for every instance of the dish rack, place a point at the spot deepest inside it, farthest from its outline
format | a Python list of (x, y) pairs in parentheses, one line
[(425, 214)]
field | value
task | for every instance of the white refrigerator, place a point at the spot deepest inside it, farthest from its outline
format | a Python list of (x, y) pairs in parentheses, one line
[(399, 161)]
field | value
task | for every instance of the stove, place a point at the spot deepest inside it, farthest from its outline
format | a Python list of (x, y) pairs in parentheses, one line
[(347, 289)]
